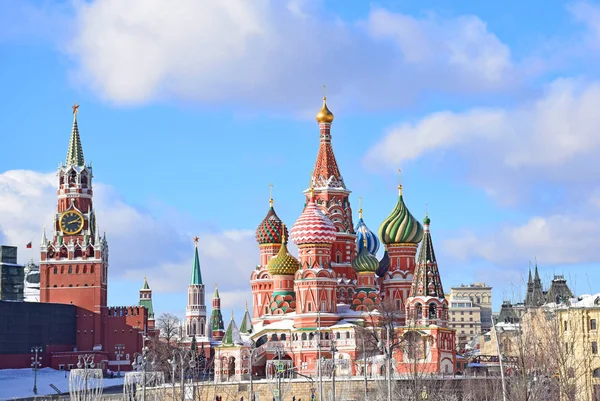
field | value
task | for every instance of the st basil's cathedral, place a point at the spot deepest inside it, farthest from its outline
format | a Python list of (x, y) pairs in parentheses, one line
[(335, 284)]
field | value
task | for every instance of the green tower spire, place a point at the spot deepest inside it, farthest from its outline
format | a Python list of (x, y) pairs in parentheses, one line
[(196, 274), (75, 151)]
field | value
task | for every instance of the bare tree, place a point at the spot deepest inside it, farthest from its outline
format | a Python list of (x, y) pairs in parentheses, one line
[(168, 324)]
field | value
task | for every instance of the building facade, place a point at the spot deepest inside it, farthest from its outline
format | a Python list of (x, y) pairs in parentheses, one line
[(312, 304), (470, 312), (74, 270)]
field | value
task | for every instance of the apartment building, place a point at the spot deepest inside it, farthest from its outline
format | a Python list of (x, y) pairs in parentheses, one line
[(470, 312)]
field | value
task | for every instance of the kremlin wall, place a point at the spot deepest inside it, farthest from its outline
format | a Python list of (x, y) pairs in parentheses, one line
[(302, 306)]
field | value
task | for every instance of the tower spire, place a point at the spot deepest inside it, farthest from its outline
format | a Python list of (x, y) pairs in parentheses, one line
[(427, 281), (400, 182), (271, 195), (360, 207), (196, 274), (75, 151)]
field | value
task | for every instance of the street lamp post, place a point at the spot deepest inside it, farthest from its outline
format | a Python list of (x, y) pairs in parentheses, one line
[(333, 350), (319, 353), (119, 348), (143, 362), (388, 357), (36, 362), (251, 356), (500, 359), (173, 363), (192, 364), (365, 366)]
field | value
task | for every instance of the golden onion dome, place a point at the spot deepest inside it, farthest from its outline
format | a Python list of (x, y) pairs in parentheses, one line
[(283, 264), (324, 115)]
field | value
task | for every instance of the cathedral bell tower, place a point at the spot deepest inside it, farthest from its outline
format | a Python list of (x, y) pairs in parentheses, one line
[(74, 260)]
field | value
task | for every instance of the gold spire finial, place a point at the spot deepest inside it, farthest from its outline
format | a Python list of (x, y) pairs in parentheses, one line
[(75, 108), (270, 195), (426, 210), (400, 182), (360, 207), (196, 239), (310, 187), (283, 233), (324, 115)]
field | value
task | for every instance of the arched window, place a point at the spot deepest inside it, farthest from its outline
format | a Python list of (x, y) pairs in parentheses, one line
[(273, 337), (337, 335), (419, 310), (282, 337), (303, 336), (55, 270), (432, 311), (70, 269), (347, 335), (596, 373)]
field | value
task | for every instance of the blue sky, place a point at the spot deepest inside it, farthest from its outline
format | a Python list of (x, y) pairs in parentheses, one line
[(188, 113)]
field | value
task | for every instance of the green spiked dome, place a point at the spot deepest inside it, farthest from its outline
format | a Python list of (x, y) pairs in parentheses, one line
[(365, 261), (401, 227)]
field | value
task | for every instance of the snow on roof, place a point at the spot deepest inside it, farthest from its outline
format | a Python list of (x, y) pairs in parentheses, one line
[(582, 301)]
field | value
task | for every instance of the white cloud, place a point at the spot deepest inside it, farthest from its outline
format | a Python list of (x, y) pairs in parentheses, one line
[(258, 52), (507, 152), (140, 244), (555, 240)]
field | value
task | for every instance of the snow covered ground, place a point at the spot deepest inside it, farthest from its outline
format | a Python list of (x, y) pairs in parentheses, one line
[(18, 383)]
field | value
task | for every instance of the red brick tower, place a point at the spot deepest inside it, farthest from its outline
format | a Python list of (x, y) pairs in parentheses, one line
[(315, 283), (427, 314), (269, 235), (401, 234), (332, 197), (74, 262)]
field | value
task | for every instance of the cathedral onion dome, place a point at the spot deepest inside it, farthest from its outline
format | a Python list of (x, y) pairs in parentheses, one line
[(270, 229), (384, 265), (283, 263), (363, 233), (324, 115), (401, 227), (365, 261), (313, 226)]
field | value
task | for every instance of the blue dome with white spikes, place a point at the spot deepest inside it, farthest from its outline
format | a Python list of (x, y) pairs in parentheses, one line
[(362, 233)]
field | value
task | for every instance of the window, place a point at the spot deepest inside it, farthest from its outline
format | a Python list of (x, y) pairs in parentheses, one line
[(592, 324), (347, 334), (61, 366), (471, 331), (337, 335), (565, 326), (70, 366), (594, 347), (70, 270), (56, 271), (470, 313)]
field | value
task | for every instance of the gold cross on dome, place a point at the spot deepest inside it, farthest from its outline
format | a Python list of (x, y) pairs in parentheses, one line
[(75, 108)]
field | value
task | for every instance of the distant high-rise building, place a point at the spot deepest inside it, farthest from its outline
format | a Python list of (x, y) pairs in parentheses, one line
[(12, 275)]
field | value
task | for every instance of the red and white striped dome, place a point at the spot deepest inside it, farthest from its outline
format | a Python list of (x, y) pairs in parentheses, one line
[(313, 227)]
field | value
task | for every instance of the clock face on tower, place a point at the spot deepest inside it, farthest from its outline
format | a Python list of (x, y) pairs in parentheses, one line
[(71, 222)]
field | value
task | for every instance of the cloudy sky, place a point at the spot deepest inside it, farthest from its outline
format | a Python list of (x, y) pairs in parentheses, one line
[(189, 109)]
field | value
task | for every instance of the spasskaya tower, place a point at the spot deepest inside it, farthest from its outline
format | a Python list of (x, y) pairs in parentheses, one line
[(74, 260)]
